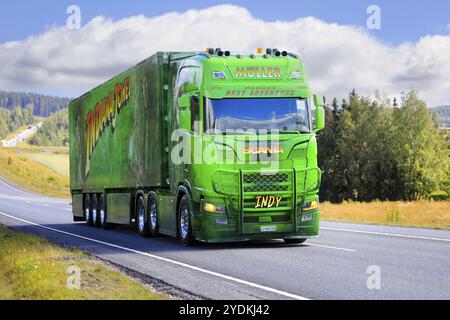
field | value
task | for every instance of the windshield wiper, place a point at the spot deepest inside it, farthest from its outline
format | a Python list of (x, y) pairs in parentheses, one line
[(291, 132), (240, 133)]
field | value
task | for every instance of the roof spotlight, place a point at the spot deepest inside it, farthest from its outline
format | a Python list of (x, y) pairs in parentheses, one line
[(227, 53), (277, 53), (210, 50), (268, 51), (220, 53), (284, 53)]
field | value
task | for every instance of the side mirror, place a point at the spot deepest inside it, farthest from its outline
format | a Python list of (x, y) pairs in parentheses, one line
[(319, 101), (184, 112), (184, 102), (320, 119)]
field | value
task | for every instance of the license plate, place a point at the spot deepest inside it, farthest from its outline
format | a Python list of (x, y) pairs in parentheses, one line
[(307, 217), (269, 229)]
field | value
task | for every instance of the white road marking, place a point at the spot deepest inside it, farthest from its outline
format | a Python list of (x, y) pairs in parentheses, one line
[(328, 247), (30, 199), (12, 188), (182, 264), (387, 234)]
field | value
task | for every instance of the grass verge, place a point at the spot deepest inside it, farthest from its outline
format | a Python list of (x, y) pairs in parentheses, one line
[(31, 175), (32, 268), (56, 159), (424, 214)]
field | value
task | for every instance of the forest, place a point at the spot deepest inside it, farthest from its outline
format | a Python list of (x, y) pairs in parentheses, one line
[(372, 149), (43, 106)]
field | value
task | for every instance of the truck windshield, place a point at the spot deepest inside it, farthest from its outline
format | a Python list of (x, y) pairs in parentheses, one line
[(287, 115)]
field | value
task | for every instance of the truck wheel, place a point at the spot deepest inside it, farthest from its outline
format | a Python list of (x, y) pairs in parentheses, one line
[(102, 212), (87, 209), (153, 214), (184, 221), (294, 241), (142, 221), (95, 212)]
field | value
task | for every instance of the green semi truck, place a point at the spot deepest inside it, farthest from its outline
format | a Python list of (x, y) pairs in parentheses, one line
[(207, 146)]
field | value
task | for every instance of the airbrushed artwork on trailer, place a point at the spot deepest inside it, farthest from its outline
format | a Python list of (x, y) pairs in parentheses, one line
[(104, 114)]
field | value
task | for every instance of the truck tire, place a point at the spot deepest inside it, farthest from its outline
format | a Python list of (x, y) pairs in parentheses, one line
[(103, 215), (141, 218), (152, 209), (87, 209), (184, 221), (294, 241), (95, 211)]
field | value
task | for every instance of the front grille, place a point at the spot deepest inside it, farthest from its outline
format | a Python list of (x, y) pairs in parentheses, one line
[(265, 187), (259, 182)]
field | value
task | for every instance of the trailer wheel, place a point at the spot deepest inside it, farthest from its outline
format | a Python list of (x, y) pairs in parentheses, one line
[(153, 214), (142, 221), (102, 212), (87, 209), (95, 212), (184, 221), (294, 241)]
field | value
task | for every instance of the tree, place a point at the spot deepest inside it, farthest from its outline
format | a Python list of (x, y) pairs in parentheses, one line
[(370, 150)]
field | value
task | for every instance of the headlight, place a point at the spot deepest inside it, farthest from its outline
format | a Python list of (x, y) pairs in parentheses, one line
[(310, 206), (296, 75), (212, 208)]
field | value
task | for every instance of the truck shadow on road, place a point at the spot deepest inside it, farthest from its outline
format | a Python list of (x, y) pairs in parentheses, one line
[(99, 241)]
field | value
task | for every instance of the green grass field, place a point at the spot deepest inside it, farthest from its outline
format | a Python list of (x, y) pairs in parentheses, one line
[(34, 176), (56, 159), (32, 268)]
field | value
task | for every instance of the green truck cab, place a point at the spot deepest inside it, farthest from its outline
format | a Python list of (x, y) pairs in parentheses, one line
[(205, 146)]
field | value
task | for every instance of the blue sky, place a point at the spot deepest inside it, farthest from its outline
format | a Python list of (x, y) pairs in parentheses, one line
[(401, 20), (410, 51)]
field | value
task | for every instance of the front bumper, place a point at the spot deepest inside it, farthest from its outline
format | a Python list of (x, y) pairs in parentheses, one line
[(219, 228), (246, 219)]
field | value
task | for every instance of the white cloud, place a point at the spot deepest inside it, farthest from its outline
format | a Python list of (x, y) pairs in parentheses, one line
[(338, 57)]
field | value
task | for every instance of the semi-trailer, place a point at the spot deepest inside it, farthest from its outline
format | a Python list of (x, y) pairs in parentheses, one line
[(208, 146)]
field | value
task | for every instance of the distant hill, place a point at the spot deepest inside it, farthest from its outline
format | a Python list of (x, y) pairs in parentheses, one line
[(444, 115), (43, 106)]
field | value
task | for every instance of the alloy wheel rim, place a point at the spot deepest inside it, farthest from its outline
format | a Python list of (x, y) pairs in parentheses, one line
[(184, 222), (141, 218), (102, 216), (153, 215)]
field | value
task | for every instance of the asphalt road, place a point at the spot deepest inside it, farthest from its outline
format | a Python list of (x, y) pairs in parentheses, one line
[(409, 263)]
